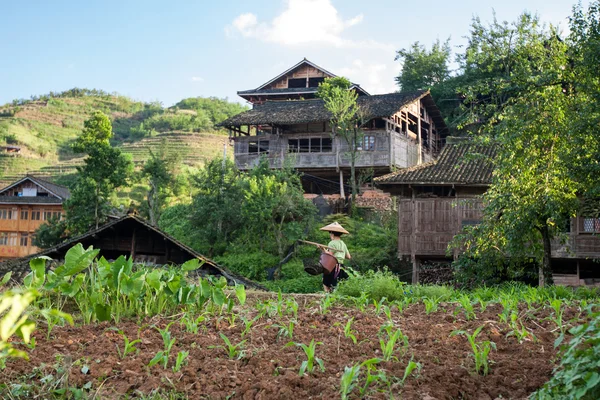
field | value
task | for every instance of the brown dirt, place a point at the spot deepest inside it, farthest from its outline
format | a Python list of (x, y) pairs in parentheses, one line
[(269, 370)]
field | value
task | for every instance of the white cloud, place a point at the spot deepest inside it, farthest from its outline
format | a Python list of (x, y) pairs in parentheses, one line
[(302, 22), (372, 76), (197, 79)]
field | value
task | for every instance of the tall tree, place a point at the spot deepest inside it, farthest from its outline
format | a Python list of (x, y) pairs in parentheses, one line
[(160, 172), (105, 169), (422, 68), (346, 121)]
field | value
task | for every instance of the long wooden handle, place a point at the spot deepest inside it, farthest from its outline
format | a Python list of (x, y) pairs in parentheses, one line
[(319, 245)]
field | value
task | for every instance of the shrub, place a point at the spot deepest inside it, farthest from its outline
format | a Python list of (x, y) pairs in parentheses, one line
[(433, 291), (376, 284), (577, 375), (251, 265), (305, 284)]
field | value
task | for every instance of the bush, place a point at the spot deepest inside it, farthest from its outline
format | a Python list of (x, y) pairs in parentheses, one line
[(376, 284), (305, 284), (432, 291), (577, 375), (251, 265)]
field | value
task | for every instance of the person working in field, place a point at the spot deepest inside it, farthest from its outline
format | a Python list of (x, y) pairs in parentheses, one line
[(338, 249)]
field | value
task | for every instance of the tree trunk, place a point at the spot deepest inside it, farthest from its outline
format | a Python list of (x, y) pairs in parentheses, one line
[(545, 272), (96, 207), (152, 203)]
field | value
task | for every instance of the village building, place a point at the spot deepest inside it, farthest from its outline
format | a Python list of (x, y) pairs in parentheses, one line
[(133, 237), (289, 126), (437, 199), (24, 206)]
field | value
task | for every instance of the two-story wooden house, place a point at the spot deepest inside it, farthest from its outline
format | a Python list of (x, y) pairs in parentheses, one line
[(437, 199), (401, 129), (24, 206)]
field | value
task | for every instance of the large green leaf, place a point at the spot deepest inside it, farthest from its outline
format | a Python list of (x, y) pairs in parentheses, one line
[(37, 276), (218, 296), (153, 279), (77, 259), (132, 285), (240, 292), (5, 278), (72, 288), (190, 265), (102, 312)]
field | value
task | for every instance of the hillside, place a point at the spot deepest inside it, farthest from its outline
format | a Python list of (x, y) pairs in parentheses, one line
[(36, 135)]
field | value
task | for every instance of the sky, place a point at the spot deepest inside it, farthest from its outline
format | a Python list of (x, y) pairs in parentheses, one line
[(163, 51)]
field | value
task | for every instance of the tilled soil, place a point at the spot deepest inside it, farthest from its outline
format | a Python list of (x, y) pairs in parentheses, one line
[(269, 369)]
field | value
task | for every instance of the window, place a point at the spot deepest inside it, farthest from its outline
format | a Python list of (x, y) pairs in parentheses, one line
[(310, 145), (591, 225), (367, 143), (35, 215), (24, 214), (47, 215), (297, 83), (3, 239), (258, 146), (8, 239), (8, 214), (24, 239), (314, 82)]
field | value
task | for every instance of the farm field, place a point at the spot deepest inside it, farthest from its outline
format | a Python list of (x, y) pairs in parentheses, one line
[(167, 333)]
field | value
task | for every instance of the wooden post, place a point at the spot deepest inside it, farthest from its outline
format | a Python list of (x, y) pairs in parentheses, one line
[(132, 253), (342, 193), (413, 240), (419, 139)]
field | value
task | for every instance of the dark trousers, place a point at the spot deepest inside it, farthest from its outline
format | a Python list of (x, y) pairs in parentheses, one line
[(331, 280)]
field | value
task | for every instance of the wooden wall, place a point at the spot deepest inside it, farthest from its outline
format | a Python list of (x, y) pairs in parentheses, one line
[(304, 71)]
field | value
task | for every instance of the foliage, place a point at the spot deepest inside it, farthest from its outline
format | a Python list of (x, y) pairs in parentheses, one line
[(216, 110), (252, 265), (481, 350), (423, 69), (309, 364), (50, 233), (346, 119), (577, 375), (14, 320), (375, 284)]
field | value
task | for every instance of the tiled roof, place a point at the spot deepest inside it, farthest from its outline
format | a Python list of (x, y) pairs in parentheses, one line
[(461, 162), (279, 91), (309, 111), (58, 190), (20, 266)]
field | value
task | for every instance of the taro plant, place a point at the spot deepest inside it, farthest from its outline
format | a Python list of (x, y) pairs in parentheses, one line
[(481, 350), (15, 321), (233, 350), (309, 364)]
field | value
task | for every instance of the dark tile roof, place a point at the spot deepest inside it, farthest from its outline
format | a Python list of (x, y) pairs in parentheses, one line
[(58, 190), (279, 91), (20, 266), (308, 111), (461, 162), (29, 200)]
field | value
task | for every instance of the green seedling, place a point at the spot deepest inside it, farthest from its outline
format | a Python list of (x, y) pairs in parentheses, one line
[(431, 305), (480, 350), (286, 330), (373, 375), (162, 357), (180, 360), (557, 317), (234, 351), (326, 303), (409, 369), (128, 346), (309, 364), (518, 329), (348, 332), (247, 325), (291, 306), (192, 325), (467, 306), (378, 305), (388, 347), (348, 381)]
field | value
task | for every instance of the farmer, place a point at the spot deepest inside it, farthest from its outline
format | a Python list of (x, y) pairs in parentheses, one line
[(341, 253)]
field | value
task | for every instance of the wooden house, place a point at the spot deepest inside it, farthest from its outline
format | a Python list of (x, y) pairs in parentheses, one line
[(24, 206), (401, 130), (133, 237), (437, 199)]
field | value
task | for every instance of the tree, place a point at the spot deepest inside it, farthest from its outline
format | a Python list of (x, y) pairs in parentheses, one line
[(160, 172), (105, 169), (423, 69), (346, 120), (50, 233)]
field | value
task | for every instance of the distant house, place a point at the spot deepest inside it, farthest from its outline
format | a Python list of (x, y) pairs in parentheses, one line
[(288, 123), (24, 206), (133, 237), (437, 199)]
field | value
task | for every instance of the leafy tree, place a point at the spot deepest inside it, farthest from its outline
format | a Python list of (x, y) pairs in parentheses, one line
[(346, 120), (216, 110), (160, 172), (105, 169), (50, 233), (423, 69)]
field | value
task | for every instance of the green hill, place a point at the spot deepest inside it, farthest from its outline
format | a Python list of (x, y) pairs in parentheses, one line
[(36, 134)]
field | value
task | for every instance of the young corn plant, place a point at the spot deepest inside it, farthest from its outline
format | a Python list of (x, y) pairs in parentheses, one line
[(291, 307), (467, 306), (557, 317), (180, 360), (192, 325), (286, 330), (373, 376), (389, 347), (410, 367), (431, 305), (128, 346), (234, 351), (379, 305), (326, 304), (309, 364), (481, 350), (349, 332), (247, 325), (162, 357), (518, 330), (348, 381)]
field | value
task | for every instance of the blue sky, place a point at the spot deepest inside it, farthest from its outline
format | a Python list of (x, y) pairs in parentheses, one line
[(156, 50)]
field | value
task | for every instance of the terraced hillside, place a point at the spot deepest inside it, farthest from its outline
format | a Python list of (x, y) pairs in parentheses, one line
[(36, 136)]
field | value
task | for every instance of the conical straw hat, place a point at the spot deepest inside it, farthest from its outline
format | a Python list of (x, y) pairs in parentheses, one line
[(334, 227)]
